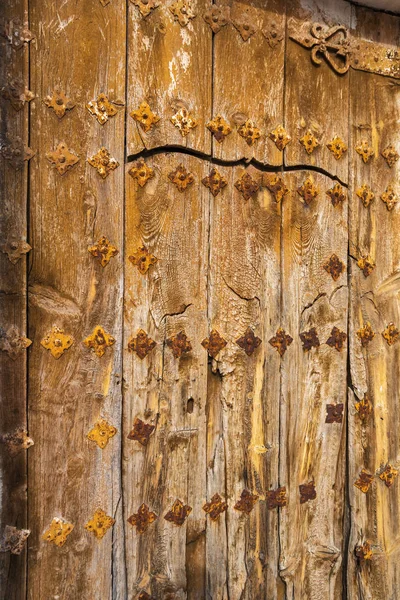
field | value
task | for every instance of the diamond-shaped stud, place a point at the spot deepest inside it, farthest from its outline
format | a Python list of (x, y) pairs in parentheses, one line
[(103, 251), (249, 342), (308, 191), (214, 343), (307, 492), (62, 158), (334, 413), (99, 524), (146, 6), (215, 507), (102, 109), (142, 259), (276, 186), (142, 344), (142, 519), (364, 481), (309, 339), (145, 117), (388, 475), (17, 441), (389, 197), (58, 532), (281, 341), (246, 502), (336, 194), (141, 172), (59, 102), (99, 341), (103, 162), (334, 267), (276, 498), (337, 147), (219, 127), (141, 431), (215, 182), (245, 26), (366, 264), (247, 186), (280, 137), (179, 344), (249, 132), (337, 339), (183, 121), (12, 342), (364, 407), (365, 151), (365, 194), (16, 33), (363, 552), (182, 12), (16, 153), (217, 17), (181, 177), (309, 142), (178, 513), (101, 433), (391, 334), (16, 92), (366, 334), (14, 540), (390, 155), (57, 342), (273, 34), (15, 249)]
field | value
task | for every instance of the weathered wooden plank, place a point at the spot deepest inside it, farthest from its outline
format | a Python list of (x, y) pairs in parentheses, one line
[(374, 439), (80, 50)]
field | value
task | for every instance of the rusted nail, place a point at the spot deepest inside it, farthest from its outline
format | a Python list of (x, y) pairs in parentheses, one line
[(12, 342), (247, 186), (102, 109), (309, 339), (98, 341), (281, 341), (16, 153), (58, 532), (215, 507), (365, 194), (178, 513), (276, 186), (146, 6), (142, 259), (16, 33), (99, 524), (219, 127), (364, 407), (389, 197), (182, 12), (308, 191), (334, 413), (103, 162), (181, 177), (336, 339), (141, 431), (273, 34), (337, 147), (249, 342), (246, 502), (391, 334), (364, 481), (366, 334), (57, 342), (390, 155), (245, 26), (59, 102), (217, 17), (17, 93), (101, 433), (15, 249), (141, 172), (142, 344), (145, 117), (334, 267), (388, 475), (142, 519), (17, 441), (249, 132), (363, 552), (276, 498), (309, 142), (215, 182), (14, 540), (62, 158), (183, 121), (366, 264), (336, 194), (179, 344), (280, 137), (103, 250), (365, 151), (214, 343), (307, 492)]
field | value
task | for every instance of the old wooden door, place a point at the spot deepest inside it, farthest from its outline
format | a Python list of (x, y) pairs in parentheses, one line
[(199, 301)]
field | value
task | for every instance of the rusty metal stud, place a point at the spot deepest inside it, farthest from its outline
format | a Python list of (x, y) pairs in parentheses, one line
[(334, 267), (365, 151), (17, 93), (98, 341), (246, 502), (364, 407), (142, 519), (141, 431), (142, 259), (245, 26), (249, 342), (15, 249), (101, 433), (366, 264), (103, 250), (276, 498), (179, 344), (14, 540), (309, 339), (334, 413), (308, 191), (273, 34), (16, 152), (309, 142), (182, 12), (336, 339), (142, 344), (181, 177), (145, 117), (12, 342), (365, 194), (178, 513), (17, 441), (280, 138), (57, 342), (16, 33), (141, 172), (364, 481), (102, 109), (146, 6), (281, 341), (249, 132), (363, 552), (183, 121), (99, 524), (388, 475), (219, 127), (247, 186), (62, 158), (103, 162), (307, 492), (390, 334), (366, 334), (276, 186), (390, 155), (59, 102), (215, 182), (337, 147), (389, 197), (336, 194), (58, 532), (214, 343), (215, 507), (217, 17)]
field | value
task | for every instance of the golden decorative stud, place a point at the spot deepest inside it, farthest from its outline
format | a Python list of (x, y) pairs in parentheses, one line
[(14, 539), (366, 334), (15, 249), (102, 109), (141, 431), (309, 339), (366, 264), (142, 259), (215, 507), (179, 344), (215, 182), (17, 93), (247, 186), (214, 343), (309, 142), (336, 194), (363, 552), (364, 407), (101, 433), (182, 12), (364, 481), (142, 344), (389, 197), (391, 334), (57, 342), (16, 33), (103, 250), (334, 267), (59, 102), (308, 191), (62, 158), (217, 17), (145, 117), (276, 498), (249, 132), (58, 532), (184, 121), (249, 342), (17, 153), (146, 6), (103, 162), (390, 155), (337, 147), (142, 519), (281, 341), (336, 339), (307, 492), (219, 127), (365, 151), (334, 413), (17, 441), (276, 186), (181, 177), (141, 172), (246, 502), (280, 138), (98, 341), (99, 524), (388, 475), (365, 194), (12, 342), (178, 513), (244, 25)]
